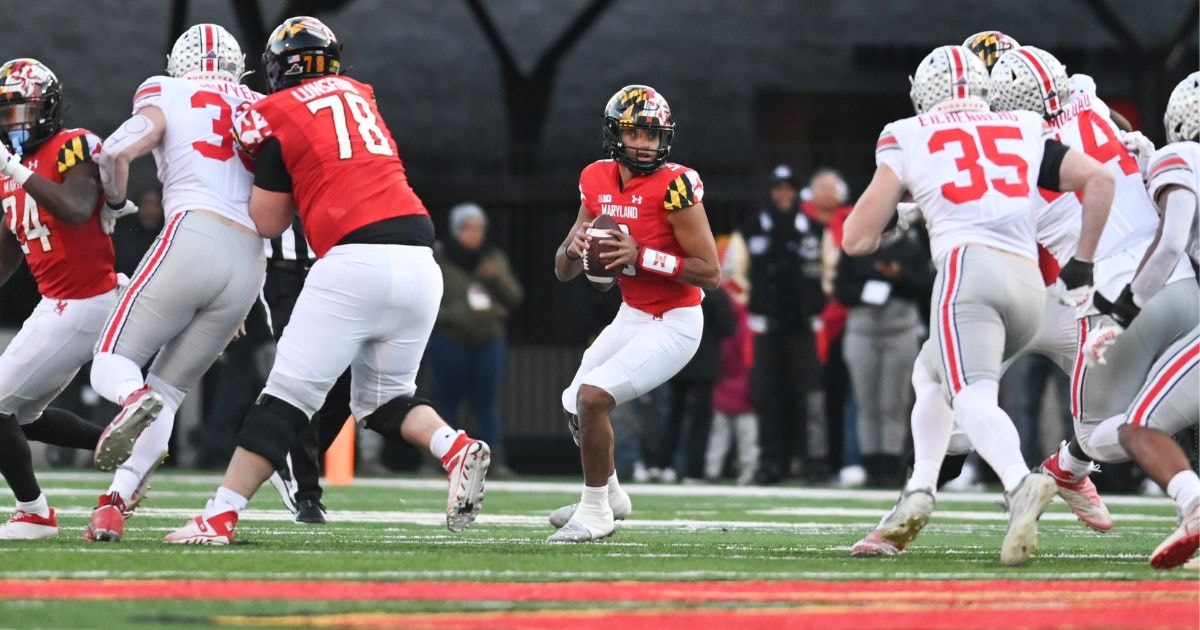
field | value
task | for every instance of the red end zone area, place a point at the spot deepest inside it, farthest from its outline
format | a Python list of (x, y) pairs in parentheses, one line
[(700, 605)]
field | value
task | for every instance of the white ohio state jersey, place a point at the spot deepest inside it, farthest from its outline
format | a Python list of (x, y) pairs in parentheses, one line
[(973, 173), (198, 164), (1178, 164), (1085, 125)]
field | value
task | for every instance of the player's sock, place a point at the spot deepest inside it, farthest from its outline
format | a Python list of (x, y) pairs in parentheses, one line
[(441, 441), (148, 451), (1184, 488), (594, 510), (39, 506), (224, 501), (115, 377), (932, 423), (16, 462), (63, 428), (991, 431), (1069, 463), (614, 487)]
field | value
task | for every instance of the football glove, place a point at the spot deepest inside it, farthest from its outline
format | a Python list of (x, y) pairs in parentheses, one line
[(1122, 311), (1098, 339), (1076, 277), (1141, 147), (11, 166), (110, 214)]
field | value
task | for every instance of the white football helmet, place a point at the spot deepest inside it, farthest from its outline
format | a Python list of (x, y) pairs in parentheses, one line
[(948, 73), (1031, 79), (206, 51), (1182, 119)]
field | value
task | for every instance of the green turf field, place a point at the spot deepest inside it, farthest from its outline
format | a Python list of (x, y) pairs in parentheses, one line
[(394, 530)]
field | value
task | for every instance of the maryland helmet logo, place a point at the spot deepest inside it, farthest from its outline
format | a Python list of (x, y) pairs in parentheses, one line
[(24, 78), (990, 46), (640, 105)]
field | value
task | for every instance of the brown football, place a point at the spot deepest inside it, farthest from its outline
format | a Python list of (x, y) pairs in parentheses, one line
[(593, 267)]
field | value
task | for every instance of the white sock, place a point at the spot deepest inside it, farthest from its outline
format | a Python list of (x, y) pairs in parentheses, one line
[(932, 423), (224, 501), (125, 482), (115, 377), (593, 505), (991, 431), (148, 451), (1069, 463), (1184, 488), (39, 506), (614, 486), (441, 441)]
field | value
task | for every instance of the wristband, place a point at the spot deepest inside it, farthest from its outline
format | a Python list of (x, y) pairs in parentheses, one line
[(115, 206), (661, 263)]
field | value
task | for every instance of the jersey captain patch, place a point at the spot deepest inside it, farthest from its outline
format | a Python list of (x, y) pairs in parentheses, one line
[(684, 191), (75, 152)]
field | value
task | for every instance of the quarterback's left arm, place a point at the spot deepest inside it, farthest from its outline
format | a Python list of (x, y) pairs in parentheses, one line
[(134, 138), (872, 213)]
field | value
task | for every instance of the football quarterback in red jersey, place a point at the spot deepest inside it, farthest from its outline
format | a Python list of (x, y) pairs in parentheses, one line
[(52, 216), (371, 298), (666, 252)]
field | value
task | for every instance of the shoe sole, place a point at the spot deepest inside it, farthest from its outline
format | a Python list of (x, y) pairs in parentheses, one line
[(1177, 553), (461, 512), (105, 535), (1021, 539), (900, 536), (565, 541), (196, 541), (44, 535), (1096, 524), (116, 443), (865, 549)]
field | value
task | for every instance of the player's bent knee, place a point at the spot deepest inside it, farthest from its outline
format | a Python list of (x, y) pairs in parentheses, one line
[(271, 429), (592, 400), (387, 419)]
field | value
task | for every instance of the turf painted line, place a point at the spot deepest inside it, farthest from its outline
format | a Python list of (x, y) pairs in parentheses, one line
[(697, 490)]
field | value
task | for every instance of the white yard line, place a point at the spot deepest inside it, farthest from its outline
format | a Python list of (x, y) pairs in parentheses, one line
[(697, 490)]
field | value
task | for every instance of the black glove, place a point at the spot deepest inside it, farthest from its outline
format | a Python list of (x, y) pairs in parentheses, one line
[(1122, 311), (1076, 273)]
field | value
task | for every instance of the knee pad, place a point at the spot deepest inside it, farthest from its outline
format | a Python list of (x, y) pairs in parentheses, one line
[(271, 429), (386, 420)]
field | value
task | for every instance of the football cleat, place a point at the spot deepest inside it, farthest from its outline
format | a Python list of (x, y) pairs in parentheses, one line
[(1182, 543), (467, 463), (108, 519), (116, 442), (875, 545), (1080, 494), (214, 530), (29, 526), (1025, 506), (285, 484), (905, 521), (620, 504), (576, 532), (310, 511)]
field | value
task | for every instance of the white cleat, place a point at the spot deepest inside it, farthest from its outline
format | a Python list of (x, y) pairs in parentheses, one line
[(116, 442), (215, 530), (620, 504), (467, 463), (903, 523), (1025, 506), (26, 526), (1181, 544), (285, 484), (576, 532)]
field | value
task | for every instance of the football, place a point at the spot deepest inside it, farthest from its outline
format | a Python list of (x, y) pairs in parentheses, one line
[(601, 278)]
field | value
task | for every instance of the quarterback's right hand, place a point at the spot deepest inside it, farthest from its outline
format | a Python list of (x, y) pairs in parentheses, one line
[(109, 215)]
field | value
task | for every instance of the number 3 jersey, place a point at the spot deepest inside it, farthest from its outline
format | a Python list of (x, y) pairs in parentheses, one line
[(641, 207), (343, 164), (198, 164), (69, 262), (972, 172)]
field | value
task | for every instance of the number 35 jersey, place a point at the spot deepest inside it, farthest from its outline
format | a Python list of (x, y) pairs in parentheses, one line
[(344, 167), (198, 164), (69, 262), (973, 173)]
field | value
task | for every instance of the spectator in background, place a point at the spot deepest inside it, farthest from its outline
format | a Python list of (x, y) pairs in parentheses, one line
[(467, 348), (824, 200), (690, 392), (783, 252), (734, 417), (883, 329), (133, 235)]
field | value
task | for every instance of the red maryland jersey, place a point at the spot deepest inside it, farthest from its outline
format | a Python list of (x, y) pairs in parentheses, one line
[(641, 208), (345, 170), (69, 262)]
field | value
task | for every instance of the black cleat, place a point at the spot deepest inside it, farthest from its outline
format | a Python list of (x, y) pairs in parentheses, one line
[(310, 511)]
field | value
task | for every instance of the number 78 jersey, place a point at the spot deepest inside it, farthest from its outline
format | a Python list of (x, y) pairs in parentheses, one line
[(972, 172), (198, 164)]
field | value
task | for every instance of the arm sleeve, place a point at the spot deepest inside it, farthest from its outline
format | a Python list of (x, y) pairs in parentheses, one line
[(270, 173), (1177, 217), (1052, 158)]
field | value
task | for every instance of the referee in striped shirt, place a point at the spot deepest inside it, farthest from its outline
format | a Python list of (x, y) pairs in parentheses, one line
[(289, 258)]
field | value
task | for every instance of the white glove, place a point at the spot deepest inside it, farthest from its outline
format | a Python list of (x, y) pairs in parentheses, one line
[(109, 215), (1099, 338), (907, 213), (1141, 147), (11, 166)]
